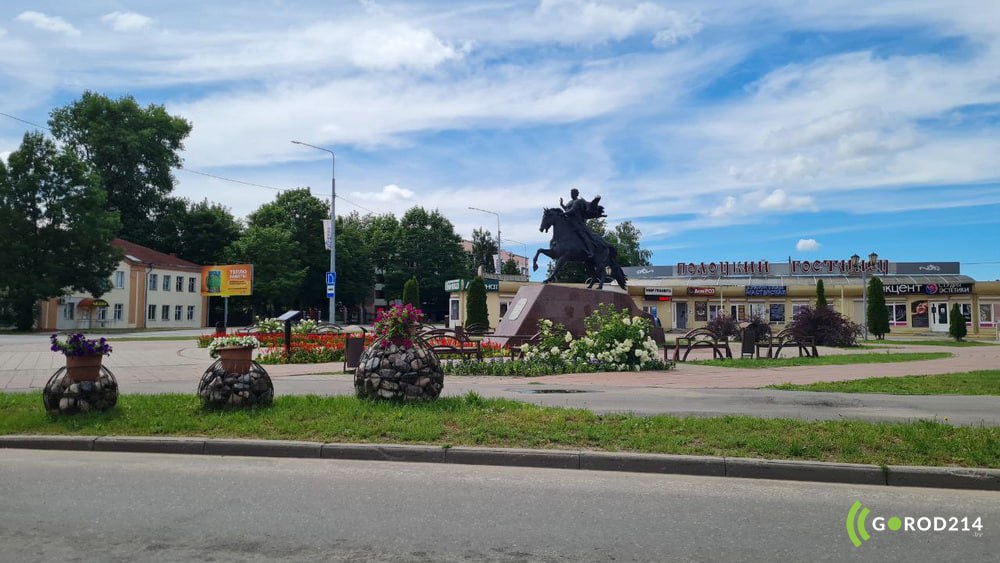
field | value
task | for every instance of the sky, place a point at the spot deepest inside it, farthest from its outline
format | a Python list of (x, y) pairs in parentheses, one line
[(735, 130)]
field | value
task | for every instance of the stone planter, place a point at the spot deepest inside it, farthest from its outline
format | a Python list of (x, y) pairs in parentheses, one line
[(65, 395), (395, 371), (236, 359), (84, 368), (220, 387)]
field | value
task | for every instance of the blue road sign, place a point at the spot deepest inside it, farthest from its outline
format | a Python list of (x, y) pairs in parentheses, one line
[(331, 278)]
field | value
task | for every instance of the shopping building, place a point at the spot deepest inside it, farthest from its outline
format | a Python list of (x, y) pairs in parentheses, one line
[(918, 295), (149, 289)]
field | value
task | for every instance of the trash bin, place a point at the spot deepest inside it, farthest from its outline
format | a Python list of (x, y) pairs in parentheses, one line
[(354, 346)]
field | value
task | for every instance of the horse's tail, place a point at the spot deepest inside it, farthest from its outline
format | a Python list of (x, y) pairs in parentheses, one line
[(616, 270)]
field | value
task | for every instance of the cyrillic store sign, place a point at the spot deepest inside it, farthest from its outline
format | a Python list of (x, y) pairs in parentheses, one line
[(462, 285), (657, 291), (702, 291), (928, 288), (766, 290)]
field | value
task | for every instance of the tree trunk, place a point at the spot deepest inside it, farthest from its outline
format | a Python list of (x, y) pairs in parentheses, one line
[(24, 313)]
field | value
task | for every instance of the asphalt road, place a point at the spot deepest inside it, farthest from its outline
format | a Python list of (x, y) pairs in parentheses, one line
[(91, 506)]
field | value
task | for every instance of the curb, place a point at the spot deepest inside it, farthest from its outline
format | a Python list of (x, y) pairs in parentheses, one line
[(707, 466)]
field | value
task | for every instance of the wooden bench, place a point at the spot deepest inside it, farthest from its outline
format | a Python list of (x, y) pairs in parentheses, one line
[(701, 338), (786, 339), (448, 341)]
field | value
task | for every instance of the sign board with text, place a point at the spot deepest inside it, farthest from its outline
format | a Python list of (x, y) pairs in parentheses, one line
[(226, 281)]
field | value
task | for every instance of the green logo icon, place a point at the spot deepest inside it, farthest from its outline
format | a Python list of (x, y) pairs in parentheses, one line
[(856, 524)]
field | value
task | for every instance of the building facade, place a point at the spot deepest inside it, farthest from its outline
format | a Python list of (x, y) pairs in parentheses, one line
[(149, 289)]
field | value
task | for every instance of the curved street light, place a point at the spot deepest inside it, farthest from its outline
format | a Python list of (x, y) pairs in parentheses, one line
[(333, 223)]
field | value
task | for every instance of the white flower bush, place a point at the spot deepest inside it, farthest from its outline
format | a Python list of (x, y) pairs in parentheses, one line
[(269, 325), (305, 326), (615, 341), (231, 342)]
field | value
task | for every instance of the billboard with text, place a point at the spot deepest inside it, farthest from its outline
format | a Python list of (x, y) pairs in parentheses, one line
[(225, 281)]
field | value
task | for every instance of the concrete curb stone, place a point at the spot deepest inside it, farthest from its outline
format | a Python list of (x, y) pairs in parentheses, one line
[(944, 477), (653, 463), (555, 459), (263, 448), (900, 476)]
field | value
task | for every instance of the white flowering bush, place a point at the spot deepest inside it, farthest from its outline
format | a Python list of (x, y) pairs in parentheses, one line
[(305, 326), (616, 341), (231, 342), (269, 325)]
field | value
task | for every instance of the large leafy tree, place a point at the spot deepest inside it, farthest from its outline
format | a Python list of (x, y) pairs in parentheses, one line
[(278, 273), (429, 249), (302, 214), (878, 315), (199, 232), (55, 229), (133, 150), (381, 236), (355, 272), (484, 246)]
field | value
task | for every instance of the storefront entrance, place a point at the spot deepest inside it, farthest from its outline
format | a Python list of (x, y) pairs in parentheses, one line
[(939, 316), (680, 315)]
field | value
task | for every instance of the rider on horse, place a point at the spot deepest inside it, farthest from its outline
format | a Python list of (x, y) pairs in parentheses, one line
[(578, 210)]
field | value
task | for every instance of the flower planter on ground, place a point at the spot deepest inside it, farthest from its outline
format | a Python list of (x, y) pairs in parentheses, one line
[(84, 368), (236, 359), (409, 371)]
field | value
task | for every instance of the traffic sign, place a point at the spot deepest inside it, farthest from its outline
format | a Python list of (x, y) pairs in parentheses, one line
[(331, 278), (331, 291)]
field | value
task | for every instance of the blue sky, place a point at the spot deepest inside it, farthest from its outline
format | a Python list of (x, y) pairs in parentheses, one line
[(730, 130)]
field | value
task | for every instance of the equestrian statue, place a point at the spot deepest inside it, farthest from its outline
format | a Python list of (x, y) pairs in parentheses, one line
[(572, 241)]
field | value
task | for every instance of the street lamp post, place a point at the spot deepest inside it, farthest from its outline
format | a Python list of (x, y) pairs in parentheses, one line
[(855, 262), (499, 247), (333, 223)]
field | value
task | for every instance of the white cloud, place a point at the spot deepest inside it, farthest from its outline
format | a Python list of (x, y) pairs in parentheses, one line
[(54, 24), (778, 200), (592, 21), (389, 193), (126, 21), (807, 245), (682, 26), (727, 208), (400, 45)]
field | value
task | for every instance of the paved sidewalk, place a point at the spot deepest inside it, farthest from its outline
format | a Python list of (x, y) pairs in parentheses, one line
[(176, 366)]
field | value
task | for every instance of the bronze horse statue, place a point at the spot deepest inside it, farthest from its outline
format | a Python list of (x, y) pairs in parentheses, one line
[(566, 246)]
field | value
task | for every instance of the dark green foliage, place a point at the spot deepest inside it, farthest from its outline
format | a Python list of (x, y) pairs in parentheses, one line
[(278, 273), (956, 323), (820, 295), (55, 230), (133, 150), (826, 326), (511, 268), (411, 292), (484, 246), (199, 232), (878, 315), (355, 271), (477, 316)]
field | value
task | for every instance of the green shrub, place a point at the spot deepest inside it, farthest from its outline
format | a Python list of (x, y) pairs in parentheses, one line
[(956, 324), (477, 315), (411, 292), (878, 315)]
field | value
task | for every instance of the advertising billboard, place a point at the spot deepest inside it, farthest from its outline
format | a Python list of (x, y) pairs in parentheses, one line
[(225, 281)]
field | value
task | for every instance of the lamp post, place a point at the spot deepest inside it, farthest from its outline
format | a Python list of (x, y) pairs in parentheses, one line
[(333, 223), (856, 262), (499, 253)]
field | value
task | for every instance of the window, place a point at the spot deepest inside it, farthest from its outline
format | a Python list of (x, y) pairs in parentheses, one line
[(177, 312), (966, 312), (151, 313), (757, 310), (179, 286), (165, 313), (191, 285), (897, 313), (796, 307), (738, 312), (776, 313), (68, 310), (119, 311), (987, 316), (190, 316), (713, 312), (119, 279), (166, 282), (101, 313), (152, 283)]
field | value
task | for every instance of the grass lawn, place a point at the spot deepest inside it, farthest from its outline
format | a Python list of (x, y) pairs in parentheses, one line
[(952, 343), (986, 382), (473, 420), (832, 360)]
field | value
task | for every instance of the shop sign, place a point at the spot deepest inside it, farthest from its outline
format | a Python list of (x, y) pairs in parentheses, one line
[(702, 291), (462, 285), (637, 272), (928, 268), (928, 289), (723, 268), (838, 267), (100, 303), (658, 291), (766, 290)]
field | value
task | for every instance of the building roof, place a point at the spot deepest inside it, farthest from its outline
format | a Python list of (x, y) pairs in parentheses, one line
[(139, 254)]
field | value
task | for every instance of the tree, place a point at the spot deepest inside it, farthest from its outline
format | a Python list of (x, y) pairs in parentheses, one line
[(625, 238), (820, 295), (956, 324), (302, 214), (428, 248), (381, 236), (133, 150), (477, 316), (54, 227), (278, 273), (511, 268), (878, 315), (355, 272), (411, 292), (484, 246), (199, 232)]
